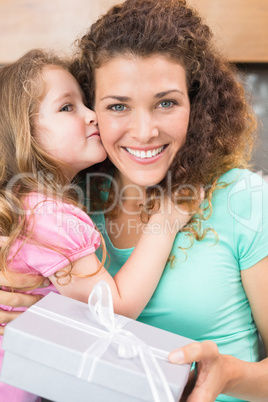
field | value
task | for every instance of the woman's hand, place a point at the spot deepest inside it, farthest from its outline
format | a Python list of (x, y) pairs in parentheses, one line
[(15, 299), (213, 371), (221, 374)]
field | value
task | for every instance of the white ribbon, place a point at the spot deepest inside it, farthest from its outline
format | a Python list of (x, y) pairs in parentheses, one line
[(100, 304)]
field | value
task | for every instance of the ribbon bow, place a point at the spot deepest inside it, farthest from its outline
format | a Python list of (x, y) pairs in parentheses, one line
[(100, 304)]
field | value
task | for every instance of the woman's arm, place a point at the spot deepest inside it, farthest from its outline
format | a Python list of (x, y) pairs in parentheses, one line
[(133, 286), (225, 374)]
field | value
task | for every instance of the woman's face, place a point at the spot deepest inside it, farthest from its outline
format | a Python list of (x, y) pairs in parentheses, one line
[(143, 112)]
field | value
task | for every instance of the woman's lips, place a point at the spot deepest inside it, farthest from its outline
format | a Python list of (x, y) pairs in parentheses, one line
[(145, 156)]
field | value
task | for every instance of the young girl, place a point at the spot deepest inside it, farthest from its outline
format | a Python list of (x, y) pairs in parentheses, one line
[(48, 135)]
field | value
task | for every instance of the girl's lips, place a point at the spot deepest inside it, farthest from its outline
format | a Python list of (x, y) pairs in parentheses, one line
[(94, 134)]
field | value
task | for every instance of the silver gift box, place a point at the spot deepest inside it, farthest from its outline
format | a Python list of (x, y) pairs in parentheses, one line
[(49, 351)]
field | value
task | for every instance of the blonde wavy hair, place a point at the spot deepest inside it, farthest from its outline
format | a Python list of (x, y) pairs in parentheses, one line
[(24, 166)]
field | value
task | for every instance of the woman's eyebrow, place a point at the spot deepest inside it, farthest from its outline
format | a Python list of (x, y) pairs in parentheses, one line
[(127, 98), (117, 97), (164, 93)]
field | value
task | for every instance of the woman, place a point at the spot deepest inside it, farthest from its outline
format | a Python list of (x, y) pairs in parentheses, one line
[(172, 116)]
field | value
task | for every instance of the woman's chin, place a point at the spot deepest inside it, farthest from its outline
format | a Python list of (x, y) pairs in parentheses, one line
[(145, 180)]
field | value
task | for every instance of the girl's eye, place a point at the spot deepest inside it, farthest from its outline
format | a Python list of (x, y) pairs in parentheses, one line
[(118, 108), (166, 104), (66, 108)]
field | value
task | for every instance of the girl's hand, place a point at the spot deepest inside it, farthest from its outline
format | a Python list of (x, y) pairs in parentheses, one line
[(213, 371), (179, 215)]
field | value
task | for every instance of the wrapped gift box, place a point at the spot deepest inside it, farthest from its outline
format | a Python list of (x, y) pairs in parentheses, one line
[(59, 350)]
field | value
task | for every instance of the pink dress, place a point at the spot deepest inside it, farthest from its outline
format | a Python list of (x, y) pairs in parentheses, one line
[(61, 233)]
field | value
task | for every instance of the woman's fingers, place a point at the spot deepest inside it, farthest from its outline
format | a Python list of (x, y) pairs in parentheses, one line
[(14, 299), (194, 352), (20, 281), (6, 317), (210, 371)]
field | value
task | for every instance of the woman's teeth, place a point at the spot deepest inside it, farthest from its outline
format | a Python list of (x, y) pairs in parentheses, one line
[(146, 154)]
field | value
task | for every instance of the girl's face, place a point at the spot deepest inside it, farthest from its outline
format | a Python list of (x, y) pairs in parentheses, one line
[(65, 127), (143, 112)]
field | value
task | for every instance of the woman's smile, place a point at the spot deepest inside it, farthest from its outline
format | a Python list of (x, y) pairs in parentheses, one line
[(143, 121), (146, 155)]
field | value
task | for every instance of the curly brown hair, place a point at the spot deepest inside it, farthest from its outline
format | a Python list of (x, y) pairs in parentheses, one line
[(222, 126)]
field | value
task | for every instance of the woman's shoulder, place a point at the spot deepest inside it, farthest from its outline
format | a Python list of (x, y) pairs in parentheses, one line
[(245, 198), (242, 179), (240, 193), (233, 175)]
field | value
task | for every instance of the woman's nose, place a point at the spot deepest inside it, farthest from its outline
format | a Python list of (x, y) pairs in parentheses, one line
[(90, 117), (144, 127)]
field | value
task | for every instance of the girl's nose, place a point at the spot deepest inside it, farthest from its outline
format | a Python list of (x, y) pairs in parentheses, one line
[(90, 117)]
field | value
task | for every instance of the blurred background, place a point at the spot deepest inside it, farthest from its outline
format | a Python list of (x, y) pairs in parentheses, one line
[(240, 28)]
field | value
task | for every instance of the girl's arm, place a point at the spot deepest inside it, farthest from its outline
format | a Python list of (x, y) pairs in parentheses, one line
[(156, 245), (223, 373), (133, 286)]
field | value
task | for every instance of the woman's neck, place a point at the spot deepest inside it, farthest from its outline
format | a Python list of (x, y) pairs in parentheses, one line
[(125, 228), (131, 194)]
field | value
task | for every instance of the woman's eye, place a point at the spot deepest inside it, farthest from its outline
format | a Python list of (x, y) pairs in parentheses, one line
[(66, 108), (118, 108), (166, 104)]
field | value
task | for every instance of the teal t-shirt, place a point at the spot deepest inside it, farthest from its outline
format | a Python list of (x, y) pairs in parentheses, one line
[(200, 294)]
